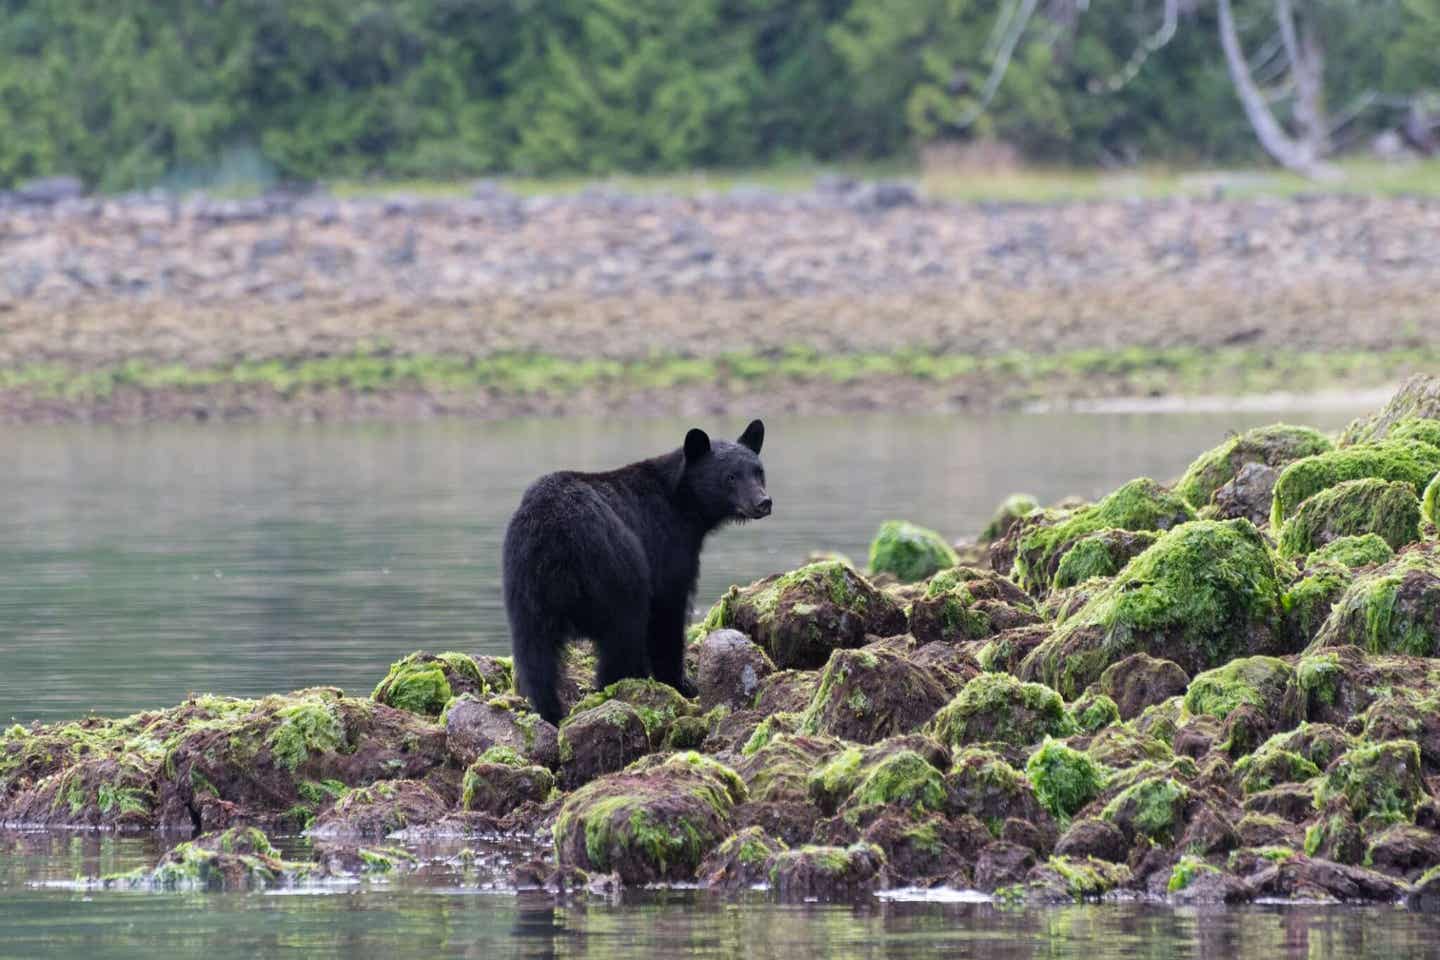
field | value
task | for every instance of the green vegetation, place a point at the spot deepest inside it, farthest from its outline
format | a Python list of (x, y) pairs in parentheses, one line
[(1354, 508), (1391, 609), (1149, 808), (1100, 554), (1353, 551), (1185, 871), (997, 708), (904, 779), (1266, 683), (1274, 445), (1405, 461), (1065, 780), (1012, 508), (1379, 779), (422, 683), (909, 552)]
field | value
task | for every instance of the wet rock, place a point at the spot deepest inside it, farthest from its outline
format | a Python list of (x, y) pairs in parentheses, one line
[(947, 611), (232, 860), (473, 726), (1375, 778), (1093, 712), (1247, 496), (982, 784), (780, 770), (909, 552), (1002, 864), (1303, 878), (657, 704), (423, 683), (1073, 880), (1417, 398), (1263, 447), (788, 691), (500, 782), (1206, 886), (1152, 808), (923, 850), (1354, 508), (742, 861), (902, 763), (1005, 652), (995, 707), (827, 873), (600, 740), (950, 664), (1292, 802), (1120, 747), (1093, 838), (1404, 851), (868, 695), (730, 669), (655, 823), (1394, 608), (1205, 593), (379, 810), (1140, 680), (1261, 830), (800, 617), (791, 822)]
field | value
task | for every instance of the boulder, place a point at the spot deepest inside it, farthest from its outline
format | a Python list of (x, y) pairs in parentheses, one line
[(1263, 447), (500, 782), (730, 669), (1389, 510), (1247, 497), (827, 873), (473, 726), (741, 861), (868, 695), (423, 683), (1140, 680), (1393, 608), (909, 552), (376, 811), (997, 708), (600, 740), (1402, 461)]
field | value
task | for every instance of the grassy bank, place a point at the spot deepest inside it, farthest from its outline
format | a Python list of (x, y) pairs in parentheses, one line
[(507, 383)]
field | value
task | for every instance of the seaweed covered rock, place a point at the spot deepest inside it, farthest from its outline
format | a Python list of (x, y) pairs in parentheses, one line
[(1399, 461), (867, 695), (1004, 652), (997, 708), (1013, 508), (982, 784), (1308, 601), (1065, 779), (827, 873), (1093, 712), (1064, 879), (1418, 398), (832, 784), (1404, 851), (237, 859), (1247, 497), (947, 611), (780, 769), (600, 740), (655, 823), (379, 810), (729, 669), (1205, 593), (500, 781), (423, 683), (473, 726), (742, 861), (1093, 838), (1152, 808), (909, 552), (1103, 553), (1375, 779), (924, 849), (1341, 683), (1269, 446), (1267, 684), (1294, 756), (658, 704), (1394, 608), (1138, 505), (1354, 508), (1140, 681), (1305, 878), (800, 617), (1430, 504)]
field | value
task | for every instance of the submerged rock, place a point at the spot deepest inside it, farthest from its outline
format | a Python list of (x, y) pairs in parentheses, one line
[(909, 552), (240, 858), (800, 617)]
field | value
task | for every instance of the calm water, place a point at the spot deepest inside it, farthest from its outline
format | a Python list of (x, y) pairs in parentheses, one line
[(139, 564)]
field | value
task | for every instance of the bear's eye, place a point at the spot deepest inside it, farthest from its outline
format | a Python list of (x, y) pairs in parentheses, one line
[(731, 478)]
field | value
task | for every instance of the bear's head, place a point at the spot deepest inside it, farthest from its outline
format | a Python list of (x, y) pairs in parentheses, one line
[(726, 481)]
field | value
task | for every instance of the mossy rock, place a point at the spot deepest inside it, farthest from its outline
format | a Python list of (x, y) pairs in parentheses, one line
[(600, 740), (1123, 746), (1293, 756), (1341, 683), (1375, 779), (868, 695), (1424, 429), (374, 811), (1065, 779), (473, 726), (1268, 684), (1390, 511), (1015, 507), (653, 824), (1273, 445), (1073, 879), (1354, 552), (1205, 593), (1186, 871), (1404, 851), (832, 784), (1399, 461), (826, 873), (800, 617), (1307, 602), (1103, 553), (237, 859), (1406, 714), (947, 611), (1140, 681), (997, 708), (501, 781), (1138, 505), (1418, 398), (779, 770), (1394, 608), (423, 683), (1093, 712), (903, 780), (983, 784), (909, 552), (658, 704), (1430, 504), (1151, 808), (742, 860)]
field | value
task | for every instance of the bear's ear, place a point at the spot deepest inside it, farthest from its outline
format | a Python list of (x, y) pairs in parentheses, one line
[(697, 444), (753, 436)]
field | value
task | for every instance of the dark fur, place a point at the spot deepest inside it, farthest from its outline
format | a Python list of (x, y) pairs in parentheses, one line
[(614, 557)]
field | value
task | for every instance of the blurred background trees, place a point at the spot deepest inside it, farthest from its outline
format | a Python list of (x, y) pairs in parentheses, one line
[(127, 93)]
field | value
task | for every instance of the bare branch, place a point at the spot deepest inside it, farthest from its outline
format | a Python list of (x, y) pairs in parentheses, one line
[(1023, 10), (1149, 46)]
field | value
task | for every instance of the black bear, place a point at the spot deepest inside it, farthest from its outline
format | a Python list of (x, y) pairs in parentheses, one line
[(614, 557)]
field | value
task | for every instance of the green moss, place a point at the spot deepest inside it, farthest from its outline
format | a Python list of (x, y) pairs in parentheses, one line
[(996, 707), (1264, 769), (1354, 551), (1089, 878), (502, 755), (1138, 505), (1380, 779), (902, 779), (312, 725), (1403, 461), (487, 786), (658, 704), (1012, 508), (311, 791), (1194, 597), (1151, 807), (1422, 429), (1185, 871), (909, 552), (1430, 505), (1261, 682), (1094, 712), (1378, 616), (1100, 554), (384, 859), (1065, 780), (1273, 445), (1308, 602), (417, 683), (835, 780), (768, 729), (1353, 508)]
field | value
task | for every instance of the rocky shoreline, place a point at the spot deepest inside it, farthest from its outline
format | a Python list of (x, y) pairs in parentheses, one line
[(1216, 692), (155, 307)]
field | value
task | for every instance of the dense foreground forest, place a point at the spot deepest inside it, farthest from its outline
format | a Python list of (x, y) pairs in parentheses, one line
[(128, 93)]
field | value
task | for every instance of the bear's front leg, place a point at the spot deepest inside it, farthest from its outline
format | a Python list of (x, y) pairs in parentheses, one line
[(666, 642)]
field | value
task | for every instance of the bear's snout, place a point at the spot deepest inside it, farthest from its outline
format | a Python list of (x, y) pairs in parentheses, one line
[(762, 509)]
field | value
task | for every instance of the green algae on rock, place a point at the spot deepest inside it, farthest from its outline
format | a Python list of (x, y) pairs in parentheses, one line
[(1273, 445), (909, 552), (1353, 551), (1103, 553), (1400, 461), (742, 860), (500, 781), (800, 617), (1266, 683), (1206, 592), (1379, 779), (826, 873), (240, 858), (1394, 608), (1150, 808), (1065, 779), (423, 683), (1012, 508), (1369, 506), (1430, 506), (658, 704), (1417, 399), (998, 708), (1093, 712), (867, 695), (1042, 542)]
